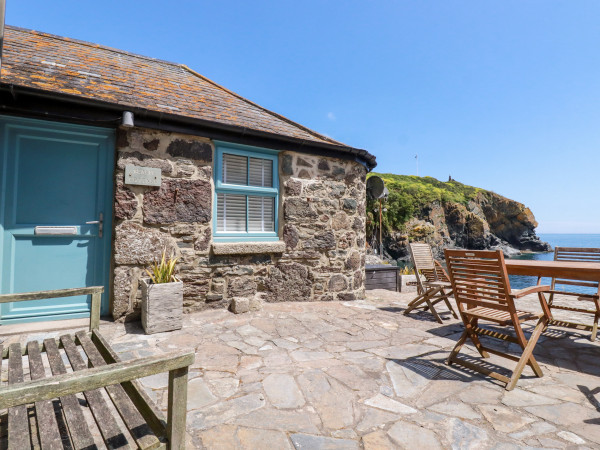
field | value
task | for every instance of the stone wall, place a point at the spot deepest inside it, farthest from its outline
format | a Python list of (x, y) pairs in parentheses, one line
[(322, 221)]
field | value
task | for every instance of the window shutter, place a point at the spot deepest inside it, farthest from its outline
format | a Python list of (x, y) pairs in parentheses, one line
[(235, 169), (261, 214), (261, 172), (231, 213)]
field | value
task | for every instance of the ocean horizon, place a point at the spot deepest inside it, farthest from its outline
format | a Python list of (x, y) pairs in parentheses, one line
[(590, 240)]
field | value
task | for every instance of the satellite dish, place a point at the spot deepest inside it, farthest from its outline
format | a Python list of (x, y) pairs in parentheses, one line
[(375, 187)]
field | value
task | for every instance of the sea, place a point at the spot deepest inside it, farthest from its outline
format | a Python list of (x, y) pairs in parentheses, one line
[(560, 240)]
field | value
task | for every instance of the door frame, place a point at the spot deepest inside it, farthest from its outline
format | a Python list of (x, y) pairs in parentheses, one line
[(105, 188)]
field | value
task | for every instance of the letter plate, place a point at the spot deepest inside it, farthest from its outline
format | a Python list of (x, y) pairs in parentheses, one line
[(56, 231), (142, 176)]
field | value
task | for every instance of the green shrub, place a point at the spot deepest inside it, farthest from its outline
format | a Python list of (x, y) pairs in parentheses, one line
[(410, 194)]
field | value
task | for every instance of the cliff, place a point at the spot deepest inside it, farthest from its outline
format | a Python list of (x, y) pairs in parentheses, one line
[(450, 214)]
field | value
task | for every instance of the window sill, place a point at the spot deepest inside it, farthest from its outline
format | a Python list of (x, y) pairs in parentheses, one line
[(247, 248)]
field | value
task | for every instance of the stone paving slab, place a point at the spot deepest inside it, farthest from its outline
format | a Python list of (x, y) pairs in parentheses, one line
[(352, 375)]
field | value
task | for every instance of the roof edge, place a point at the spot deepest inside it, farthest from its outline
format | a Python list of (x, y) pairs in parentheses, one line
[(368, 159), (279, 116)]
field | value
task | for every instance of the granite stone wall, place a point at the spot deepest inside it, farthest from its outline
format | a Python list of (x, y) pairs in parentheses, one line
[(322, 222)]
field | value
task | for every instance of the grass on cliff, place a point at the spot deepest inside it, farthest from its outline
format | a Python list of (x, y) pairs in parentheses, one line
[(410, 194)]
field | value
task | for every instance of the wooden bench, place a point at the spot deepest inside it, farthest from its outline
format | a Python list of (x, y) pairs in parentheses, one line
[(44, 410)]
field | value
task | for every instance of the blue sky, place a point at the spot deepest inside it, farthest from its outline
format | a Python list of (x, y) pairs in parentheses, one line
[(503, 94)]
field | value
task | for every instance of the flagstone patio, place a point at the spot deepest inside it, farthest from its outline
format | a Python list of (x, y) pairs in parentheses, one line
[(351, 375)]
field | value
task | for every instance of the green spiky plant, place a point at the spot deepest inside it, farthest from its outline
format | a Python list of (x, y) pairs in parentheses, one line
[(163, 271), (407, 270)]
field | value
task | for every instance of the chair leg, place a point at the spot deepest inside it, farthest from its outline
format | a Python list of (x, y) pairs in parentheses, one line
[(433, 311), (457, 347), (475, 338), (527, 356), (424, 302), (522, 341), (596, 317), (415, 303), (449, 305), (594, 328)]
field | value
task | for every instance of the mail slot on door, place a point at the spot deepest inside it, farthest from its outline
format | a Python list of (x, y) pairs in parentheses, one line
[(56, 231)]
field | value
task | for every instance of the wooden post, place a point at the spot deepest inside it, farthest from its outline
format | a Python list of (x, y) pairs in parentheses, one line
[(95, 312), (380, 230), (177, 408)]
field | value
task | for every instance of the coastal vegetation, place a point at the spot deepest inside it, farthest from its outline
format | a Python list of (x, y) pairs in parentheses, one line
[(409, 194), (448, 214)]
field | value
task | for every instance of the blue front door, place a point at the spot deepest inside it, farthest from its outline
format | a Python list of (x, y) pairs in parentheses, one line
[(54, 178)]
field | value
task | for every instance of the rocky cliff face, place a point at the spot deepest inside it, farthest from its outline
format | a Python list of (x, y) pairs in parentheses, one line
[(487, 221)]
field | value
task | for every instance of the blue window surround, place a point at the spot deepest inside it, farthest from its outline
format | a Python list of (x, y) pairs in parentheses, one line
[(223, 188)]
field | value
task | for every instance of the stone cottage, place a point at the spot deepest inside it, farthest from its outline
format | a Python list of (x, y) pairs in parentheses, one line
[(108, 158)]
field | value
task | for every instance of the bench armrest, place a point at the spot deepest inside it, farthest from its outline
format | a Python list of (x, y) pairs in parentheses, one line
[(518, 293), (89, 379)]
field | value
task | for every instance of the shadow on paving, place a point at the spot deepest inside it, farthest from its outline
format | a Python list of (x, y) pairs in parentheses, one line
[(431, 367), (545, 351), (419, 313), (590, 394)]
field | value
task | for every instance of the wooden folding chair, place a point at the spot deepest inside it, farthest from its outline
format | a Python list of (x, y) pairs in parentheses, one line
[(482, 292), (433, 284), (581, 255)]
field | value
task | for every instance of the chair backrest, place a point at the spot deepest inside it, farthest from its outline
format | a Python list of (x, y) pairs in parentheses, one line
[(441, 273), (579, 254), (422, 258), (479, 279)]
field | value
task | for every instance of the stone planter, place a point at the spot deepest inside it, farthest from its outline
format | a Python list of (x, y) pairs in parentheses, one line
[(403, 283), (162, 306)]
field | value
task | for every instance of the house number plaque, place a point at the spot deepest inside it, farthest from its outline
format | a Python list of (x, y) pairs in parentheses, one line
[(142, 176)]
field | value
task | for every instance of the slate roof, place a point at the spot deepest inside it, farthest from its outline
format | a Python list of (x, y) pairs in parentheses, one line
[(71, 67)]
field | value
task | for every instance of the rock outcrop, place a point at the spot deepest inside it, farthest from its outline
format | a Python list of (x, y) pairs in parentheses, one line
[(486, 221)]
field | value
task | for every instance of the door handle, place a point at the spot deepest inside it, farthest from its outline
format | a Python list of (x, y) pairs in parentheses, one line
[(100, 223)]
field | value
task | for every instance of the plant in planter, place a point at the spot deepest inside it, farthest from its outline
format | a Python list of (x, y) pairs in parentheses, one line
[(162, 297)]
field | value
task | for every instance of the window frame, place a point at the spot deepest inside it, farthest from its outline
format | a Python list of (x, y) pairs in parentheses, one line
[(225, 188)]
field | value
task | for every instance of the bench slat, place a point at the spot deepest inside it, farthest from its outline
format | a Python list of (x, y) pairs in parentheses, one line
[(109, 428), (134, 421), (78, 428), (138, 395), (48, 430), (18, 422)]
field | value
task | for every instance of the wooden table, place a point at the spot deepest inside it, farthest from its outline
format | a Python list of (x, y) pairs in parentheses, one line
[(571, 270), (566, 270)]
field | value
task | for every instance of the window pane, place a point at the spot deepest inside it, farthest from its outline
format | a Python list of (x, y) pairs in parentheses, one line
[(261, 214), (261, 172), (235, 169), (231, 213)]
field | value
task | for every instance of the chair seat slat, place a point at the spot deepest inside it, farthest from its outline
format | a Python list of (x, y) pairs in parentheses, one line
[(572, 308)]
